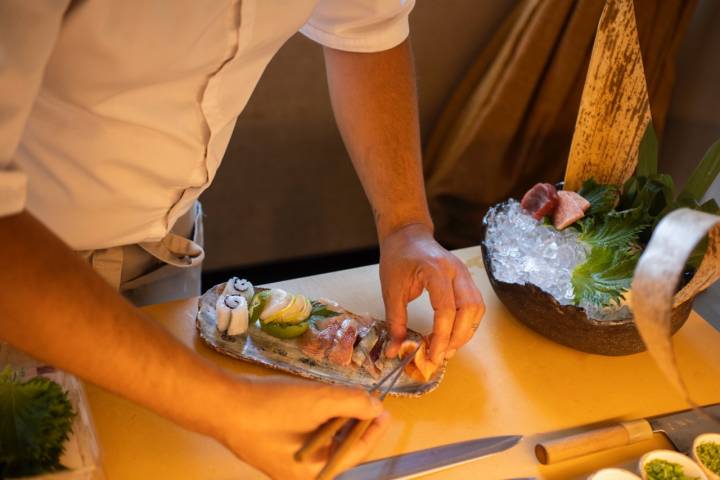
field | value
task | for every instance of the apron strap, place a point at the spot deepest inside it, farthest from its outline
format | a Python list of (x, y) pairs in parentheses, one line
[(175, 250), (178, 250)]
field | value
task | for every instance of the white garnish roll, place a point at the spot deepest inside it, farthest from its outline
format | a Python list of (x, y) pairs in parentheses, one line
[(222, 314), (238, 306), (239, 286)]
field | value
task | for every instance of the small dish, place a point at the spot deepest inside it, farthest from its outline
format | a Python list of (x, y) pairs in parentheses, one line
[(690, 468), (613, 474), (699, 440)]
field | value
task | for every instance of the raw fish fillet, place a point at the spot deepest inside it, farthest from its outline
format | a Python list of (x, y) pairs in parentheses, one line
[(315, 342), (571, 207), (540, 200), (341, 351)]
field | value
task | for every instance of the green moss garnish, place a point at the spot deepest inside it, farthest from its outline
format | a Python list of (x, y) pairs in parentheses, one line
[(709, 455), (664, 470)]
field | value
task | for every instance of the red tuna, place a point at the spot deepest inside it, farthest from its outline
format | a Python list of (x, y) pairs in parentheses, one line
[(540, 200)]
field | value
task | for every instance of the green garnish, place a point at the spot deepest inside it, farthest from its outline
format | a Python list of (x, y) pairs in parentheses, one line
[(35, 421), (602, 198), (709, 455), (319, 309), (620, 221), (284, 330), (664, 470), (615, 230), (604, 277)]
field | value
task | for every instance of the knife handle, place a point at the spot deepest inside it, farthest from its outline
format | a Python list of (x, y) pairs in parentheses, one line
[(573, 446)]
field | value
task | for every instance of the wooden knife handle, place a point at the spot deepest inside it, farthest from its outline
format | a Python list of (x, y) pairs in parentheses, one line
[(573, 446)]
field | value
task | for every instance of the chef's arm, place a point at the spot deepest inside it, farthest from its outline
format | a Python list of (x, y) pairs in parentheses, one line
[(375, 103), (56, 308)]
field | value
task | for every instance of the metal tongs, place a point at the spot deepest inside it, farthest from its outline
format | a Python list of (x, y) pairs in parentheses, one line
[(344, 432)]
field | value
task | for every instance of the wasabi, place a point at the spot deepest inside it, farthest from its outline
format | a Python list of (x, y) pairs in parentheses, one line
[(664, 470)]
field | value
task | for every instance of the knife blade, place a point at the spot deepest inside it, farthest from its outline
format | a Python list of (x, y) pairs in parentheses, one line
[(680, 428), (422, 462)]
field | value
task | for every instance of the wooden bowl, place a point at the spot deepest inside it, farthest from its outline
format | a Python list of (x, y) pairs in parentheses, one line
[(568, 324)]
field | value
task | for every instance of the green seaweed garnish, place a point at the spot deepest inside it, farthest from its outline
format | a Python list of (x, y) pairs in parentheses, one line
[(663, 470), (709, 455)]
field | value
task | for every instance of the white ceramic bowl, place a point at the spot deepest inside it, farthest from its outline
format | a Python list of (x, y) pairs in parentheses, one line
[(613, 474), (705, 438), (690, 468)]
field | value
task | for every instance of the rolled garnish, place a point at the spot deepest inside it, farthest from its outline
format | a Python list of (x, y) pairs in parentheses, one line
[(239, 286), (232, 314)]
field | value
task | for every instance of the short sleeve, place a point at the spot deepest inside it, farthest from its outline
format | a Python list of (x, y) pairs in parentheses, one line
[(28, 30), (359, 25)]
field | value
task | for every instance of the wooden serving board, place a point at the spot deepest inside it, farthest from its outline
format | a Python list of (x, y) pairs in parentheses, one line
[(261, 348)]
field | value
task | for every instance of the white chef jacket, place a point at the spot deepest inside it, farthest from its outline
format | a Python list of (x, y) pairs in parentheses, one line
[(115, 114)]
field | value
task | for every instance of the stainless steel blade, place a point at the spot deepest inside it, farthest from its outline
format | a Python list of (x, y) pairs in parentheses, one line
[(422, 462), (682, 427)]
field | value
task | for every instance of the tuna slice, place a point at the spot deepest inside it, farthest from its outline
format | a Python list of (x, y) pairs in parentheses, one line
[(571, 208), (540, 200), (341, 351)]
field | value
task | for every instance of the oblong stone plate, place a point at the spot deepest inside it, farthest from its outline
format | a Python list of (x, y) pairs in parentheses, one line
[(260, 348)]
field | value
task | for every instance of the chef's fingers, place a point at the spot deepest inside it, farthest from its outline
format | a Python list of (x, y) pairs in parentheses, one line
[(367, 441), (443, 303), (396, 315), (470, 309), (347, 402)]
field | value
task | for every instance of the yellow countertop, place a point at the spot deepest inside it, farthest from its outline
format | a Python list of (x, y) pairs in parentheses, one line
[(507, 380)]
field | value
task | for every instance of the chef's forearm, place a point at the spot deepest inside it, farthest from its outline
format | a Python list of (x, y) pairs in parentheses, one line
[(374, 98), (54, 307)]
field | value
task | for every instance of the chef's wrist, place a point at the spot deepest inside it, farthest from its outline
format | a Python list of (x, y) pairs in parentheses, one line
[(419, 222)]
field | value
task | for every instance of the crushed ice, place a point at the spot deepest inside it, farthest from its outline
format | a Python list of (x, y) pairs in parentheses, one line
[(524, 250)]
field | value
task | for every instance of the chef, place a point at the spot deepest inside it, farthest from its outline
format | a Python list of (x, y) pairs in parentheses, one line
[(114, 117)]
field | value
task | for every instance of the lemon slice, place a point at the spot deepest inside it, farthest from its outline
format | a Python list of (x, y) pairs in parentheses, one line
[(278, 301)]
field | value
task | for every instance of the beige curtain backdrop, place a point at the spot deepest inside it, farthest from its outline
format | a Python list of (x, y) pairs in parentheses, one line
[(509, 122)]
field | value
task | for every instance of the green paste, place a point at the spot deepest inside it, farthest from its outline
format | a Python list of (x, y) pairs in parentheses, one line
[(709, 455), (664, 470)]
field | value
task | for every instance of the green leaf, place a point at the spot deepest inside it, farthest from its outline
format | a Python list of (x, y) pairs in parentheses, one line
[(698, 254), (604, 277), (648, 153), (602, 198), (651, 194), (35, 421), (319, 309), (711, 206), (619, 230), (704, 174)]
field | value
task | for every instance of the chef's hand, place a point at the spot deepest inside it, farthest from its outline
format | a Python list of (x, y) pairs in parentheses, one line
[(412, 261), (271, 417)]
